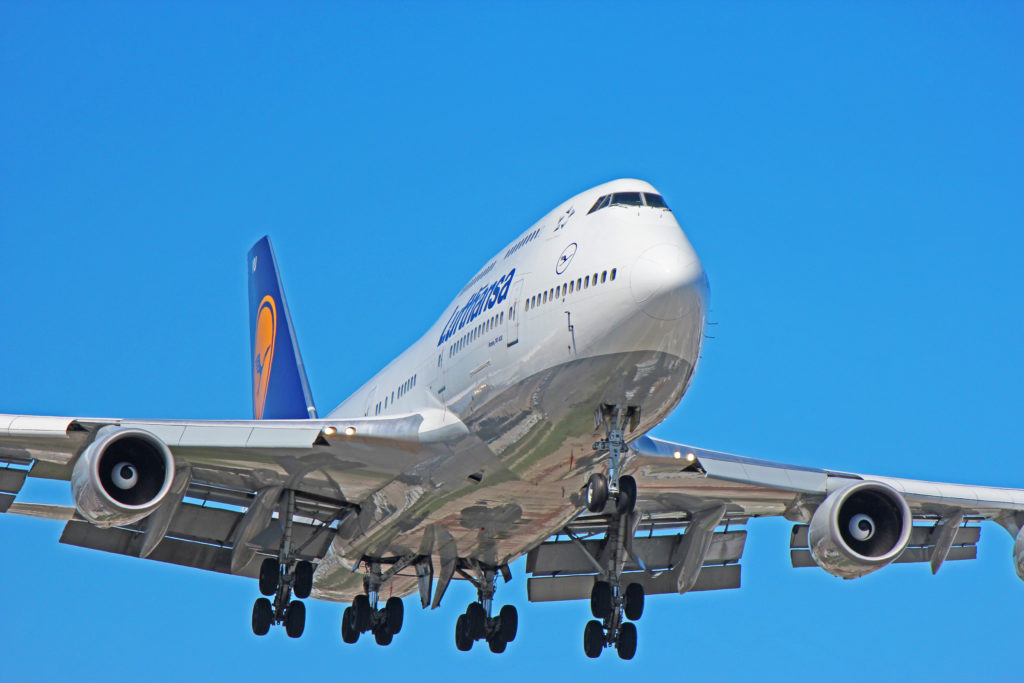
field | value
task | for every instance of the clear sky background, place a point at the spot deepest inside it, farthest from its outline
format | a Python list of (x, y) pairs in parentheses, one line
[(850, 175)]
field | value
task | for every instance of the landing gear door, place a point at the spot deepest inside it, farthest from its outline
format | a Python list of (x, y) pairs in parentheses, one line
[(512, 319)]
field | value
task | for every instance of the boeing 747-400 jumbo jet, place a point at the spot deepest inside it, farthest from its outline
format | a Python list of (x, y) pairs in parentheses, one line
[(515, 426)]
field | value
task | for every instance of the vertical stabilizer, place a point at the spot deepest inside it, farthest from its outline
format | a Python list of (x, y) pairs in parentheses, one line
[(280, 390)]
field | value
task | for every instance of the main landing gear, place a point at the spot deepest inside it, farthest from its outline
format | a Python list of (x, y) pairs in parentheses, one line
[(478, 624), (364, 615), (283, 577), (611, 603)]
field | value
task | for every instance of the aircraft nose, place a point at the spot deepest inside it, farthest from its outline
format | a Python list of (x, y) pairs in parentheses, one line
[(667, 281)]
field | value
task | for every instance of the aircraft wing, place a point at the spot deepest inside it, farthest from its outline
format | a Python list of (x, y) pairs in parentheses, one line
[(227, 481), (710, 496), (672, 476)]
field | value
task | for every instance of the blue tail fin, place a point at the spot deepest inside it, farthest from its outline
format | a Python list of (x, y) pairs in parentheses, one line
[(280, 390)]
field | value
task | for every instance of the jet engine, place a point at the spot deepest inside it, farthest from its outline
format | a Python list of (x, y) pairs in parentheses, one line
[(122, 476), (859, 529)]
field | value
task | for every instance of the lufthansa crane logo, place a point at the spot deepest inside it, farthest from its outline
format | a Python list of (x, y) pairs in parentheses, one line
[(565, 258), (266, 335)]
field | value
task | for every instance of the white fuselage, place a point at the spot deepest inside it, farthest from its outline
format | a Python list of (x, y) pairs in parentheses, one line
[(583, 309)]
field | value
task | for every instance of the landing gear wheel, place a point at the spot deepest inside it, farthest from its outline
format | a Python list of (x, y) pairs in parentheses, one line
[(303, 580), (462, 640), (383, 635), (627, 495), (295, 619), (508, 624), (593, 639), (349, 632), (601, 600), (634, 600), (270, 572), (497, 645), (394, 610), (476, 621), (625, 644), (262, 615), (597, 492), (362, 612)]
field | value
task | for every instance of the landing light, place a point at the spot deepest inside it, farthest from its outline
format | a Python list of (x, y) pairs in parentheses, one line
[(677, 455), (690, 457), (349, 431), (329, 431)]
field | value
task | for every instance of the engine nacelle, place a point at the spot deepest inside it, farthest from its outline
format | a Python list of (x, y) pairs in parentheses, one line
[(122, 476), (859, 529)]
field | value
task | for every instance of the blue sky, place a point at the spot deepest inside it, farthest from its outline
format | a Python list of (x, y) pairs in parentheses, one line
[(850, 176)]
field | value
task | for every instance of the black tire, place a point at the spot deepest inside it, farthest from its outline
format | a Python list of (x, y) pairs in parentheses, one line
[(349, 632), (626, 501), (597, 492), (362, 612), (497, 645), (601, 600), (508, 623), (303, 580), (593, 639), (463, 642), (394, 609), (476, 621), (295, 619), (270, 573), (625, 644), (262, 615), (634, 601), (383, 635)]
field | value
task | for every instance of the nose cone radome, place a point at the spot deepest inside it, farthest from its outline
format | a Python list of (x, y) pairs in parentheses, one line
[(667, 282)]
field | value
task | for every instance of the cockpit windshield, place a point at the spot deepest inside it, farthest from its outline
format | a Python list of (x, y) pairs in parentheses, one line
[(654, 201)]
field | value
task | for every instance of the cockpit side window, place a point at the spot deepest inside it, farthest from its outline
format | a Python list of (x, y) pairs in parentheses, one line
[(600, 204), (655, 200)]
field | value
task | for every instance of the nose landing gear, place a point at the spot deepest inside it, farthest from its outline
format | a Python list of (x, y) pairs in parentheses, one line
[(611, 604), (621, 489)]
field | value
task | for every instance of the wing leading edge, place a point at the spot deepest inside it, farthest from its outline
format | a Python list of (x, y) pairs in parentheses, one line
[(673, 478)]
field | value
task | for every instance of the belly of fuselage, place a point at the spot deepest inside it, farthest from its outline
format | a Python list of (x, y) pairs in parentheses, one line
[(517, 477)]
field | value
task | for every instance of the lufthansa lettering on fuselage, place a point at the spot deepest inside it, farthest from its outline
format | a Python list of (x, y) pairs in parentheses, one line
[(484, 299)]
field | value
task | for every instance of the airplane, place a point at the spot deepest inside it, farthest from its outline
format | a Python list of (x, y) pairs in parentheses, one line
[(516, 425)]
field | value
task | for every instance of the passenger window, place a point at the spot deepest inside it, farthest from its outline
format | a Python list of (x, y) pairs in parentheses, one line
[(613, 273), (579, 283), (604, 275), (586, 282), (565, 288), (595, 278), (570, 286)]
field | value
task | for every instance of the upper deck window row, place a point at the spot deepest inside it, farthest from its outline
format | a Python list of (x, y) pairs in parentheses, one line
[(523, 241), (650, 199)]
